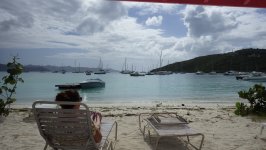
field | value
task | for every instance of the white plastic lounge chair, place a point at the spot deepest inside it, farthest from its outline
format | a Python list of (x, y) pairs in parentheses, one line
[(167, 125), (70, 128), (262, 127)]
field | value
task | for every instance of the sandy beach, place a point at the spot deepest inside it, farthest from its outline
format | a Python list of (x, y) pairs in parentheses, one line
[(223, 130)]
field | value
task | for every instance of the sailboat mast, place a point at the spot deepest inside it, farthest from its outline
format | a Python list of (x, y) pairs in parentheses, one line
[(125, 63), (100, 64), (161, 58), (75, 66)]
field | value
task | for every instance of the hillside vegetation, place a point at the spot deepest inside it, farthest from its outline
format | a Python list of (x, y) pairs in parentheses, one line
[(245, 60)]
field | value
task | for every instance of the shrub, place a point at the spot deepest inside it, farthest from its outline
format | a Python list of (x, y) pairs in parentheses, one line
[(256, 96), (9, 85), (241, 109)]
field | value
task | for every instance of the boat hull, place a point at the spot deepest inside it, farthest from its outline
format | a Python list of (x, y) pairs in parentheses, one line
[(256, 79), (92, 85), (69, 86)]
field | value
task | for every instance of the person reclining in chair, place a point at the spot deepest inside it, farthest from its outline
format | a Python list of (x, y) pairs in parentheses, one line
[(73, 96)]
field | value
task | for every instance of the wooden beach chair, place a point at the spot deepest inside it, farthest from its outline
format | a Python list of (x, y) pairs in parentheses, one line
[(167, 125), (71, 128)]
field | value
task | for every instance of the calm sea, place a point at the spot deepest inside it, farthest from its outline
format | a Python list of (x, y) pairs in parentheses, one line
[(124, 89)]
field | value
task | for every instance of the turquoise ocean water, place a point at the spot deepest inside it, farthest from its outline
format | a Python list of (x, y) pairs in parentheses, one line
[(124, 89)]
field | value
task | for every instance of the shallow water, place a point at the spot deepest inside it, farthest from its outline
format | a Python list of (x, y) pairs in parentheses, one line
[(121, 88)]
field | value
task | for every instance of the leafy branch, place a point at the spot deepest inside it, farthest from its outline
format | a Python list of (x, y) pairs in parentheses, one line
[(256, 97), (9, 85)]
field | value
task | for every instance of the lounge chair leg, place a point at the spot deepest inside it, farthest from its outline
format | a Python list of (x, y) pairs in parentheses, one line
[(188, 141), (45, 147), (262, 127), (201, 141), (157, 142), (116, 126), (143, 133), (149, 135), (110, 146)]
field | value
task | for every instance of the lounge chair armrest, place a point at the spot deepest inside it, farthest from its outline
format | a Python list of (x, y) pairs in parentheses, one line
[(182, 119), (140, 120), (114, 124)]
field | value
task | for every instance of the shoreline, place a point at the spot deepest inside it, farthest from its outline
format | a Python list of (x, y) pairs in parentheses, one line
[(182, 104)]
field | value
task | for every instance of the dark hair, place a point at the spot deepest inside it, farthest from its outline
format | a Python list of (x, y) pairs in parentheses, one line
[(68, 96)]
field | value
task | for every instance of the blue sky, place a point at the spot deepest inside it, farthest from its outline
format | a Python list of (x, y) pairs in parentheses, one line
[(83, 31)]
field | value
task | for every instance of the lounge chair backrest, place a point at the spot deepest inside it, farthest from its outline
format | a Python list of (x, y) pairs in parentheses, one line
[(64, 128), (156, 118)]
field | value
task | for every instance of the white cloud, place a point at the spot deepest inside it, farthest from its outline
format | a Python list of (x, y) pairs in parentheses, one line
[(153, 8), (201, 22), (14, 17), (97, 15), (103, 28), (222, 29), (154, 21)]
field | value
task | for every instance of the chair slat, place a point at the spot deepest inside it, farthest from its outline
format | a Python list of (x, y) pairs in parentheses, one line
[(62, 120), (38, 110), (62, 115), (59, 124), (65, 132), (65, 128)]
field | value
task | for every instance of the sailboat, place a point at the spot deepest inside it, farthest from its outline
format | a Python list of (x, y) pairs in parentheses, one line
[(212, 72), (77, 71), (100, 67), (63, 71), (125, 70)]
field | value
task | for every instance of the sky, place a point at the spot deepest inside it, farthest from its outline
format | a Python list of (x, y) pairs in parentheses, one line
[(81, 32)]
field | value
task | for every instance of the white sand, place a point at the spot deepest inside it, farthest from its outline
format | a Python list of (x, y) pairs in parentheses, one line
[(223, 130)]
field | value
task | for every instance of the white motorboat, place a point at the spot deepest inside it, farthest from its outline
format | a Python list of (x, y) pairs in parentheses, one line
[(255, 78), (100, 72), (88, 72), (231, 73), (92, 83), (212, 73), (150, 73), (136, 74), (163, 72), (199, 73)]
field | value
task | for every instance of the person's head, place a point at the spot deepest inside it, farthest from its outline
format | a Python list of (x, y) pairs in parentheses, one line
[(68, 96)]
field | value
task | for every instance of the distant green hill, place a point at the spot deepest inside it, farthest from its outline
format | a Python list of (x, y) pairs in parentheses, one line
[(241, 60), (49, 68), (27, 68)]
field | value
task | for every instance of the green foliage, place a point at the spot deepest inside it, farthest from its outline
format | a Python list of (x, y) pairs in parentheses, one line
[(256, 96), (241, 109), (9, 85), (242, 60)]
